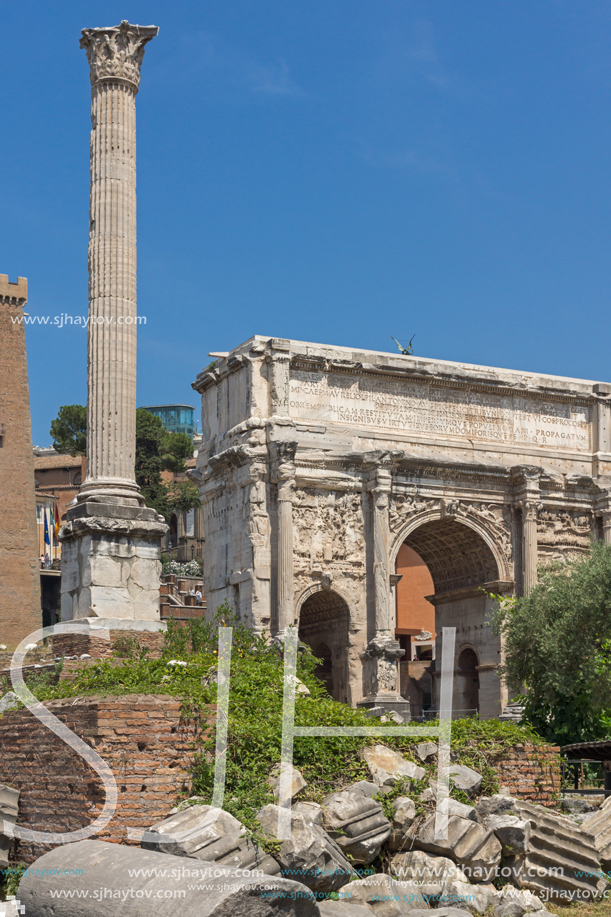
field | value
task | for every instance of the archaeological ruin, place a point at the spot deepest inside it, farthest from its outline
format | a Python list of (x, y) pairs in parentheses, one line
[(321, 464)]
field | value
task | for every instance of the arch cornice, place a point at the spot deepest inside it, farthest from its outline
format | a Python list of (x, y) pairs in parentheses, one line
[(477, 525)]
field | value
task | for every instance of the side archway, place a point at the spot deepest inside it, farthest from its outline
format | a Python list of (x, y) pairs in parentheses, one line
[(324, 619)]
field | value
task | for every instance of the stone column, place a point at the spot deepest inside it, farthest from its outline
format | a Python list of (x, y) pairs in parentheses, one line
[(529, 545), (525, 479), (285, 479), (381, 564), (111, 541), (115, 56), (383, 652)]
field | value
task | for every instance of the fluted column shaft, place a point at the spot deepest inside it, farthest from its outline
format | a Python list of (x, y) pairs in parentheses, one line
[(529, 546), (111, 381), (607, 528), (115, 56), (286, 610), (381, 570)]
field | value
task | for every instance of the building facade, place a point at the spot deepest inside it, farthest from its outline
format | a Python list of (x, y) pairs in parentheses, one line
[(321, 464)]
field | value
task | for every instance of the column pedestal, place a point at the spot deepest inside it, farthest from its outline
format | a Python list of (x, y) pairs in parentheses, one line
[(110, 562)]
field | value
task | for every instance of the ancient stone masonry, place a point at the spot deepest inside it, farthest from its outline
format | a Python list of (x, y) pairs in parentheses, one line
[(146, 741), (20, 609), (319, 463), (111, 541)]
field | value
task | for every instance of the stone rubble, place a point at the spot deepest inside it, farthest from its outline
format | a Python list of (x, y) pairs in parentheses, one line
[(562, 851), (385, 897), (598, 825), (10, 701), (425, 875), (9, 808), (465, 778), (426, 750), (93, 865), (190, 831), (310, 855), (432, 873), (387, 766), (356, 823), (297, 782), (404, 815), (468, 843)]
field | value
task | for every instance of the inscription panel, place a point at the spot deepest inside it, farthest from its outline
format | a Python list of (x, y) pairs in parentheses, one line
[(438, 411)]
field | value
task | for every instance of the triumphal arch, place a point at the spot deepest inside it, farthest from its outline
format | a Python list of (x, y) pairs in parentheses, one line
[(319, 463)]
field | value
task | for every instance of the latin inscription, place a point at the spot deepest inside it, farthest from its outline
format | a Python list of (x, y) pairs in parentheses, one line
[(418, 407)]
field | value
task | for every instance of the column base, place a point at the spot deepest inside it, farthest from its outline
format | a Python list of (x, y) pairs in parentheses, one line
[(381, 661), (111, 563), (389, 703)]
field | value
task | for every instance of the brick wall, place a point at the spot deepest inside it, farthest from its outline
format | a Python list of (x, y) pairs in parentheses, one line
[(531, 772), (98, 648), (20, 607), (145, 740)]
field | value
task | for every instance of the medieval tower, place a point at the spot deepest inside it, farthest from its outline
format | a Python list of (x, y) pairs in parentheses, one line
[(20, 612)]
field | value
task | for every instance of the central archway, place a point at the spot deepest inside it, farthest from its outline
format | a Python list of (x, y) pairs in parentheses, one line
[(462, 565), (323, 624)]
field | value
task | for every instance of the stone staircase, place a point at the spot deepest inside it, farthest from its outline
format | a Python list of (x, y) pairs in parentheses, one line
[(176, 602)]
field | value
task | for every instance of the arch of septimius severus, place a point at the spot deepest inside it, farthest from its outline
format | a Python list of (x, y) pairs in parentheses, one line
[(320, 462)]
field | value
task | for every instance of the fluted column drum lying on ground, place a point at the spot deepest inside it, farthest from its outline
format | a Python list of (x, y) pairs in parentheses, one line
[(115, 55), (98, 879)]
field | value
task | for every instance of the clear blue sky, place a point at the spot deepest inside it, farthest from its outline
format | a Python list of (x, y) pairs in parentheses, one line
[(328, 170)]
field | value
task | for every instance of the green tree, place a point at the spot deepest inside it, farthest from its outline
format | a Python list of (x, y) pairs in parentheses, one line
[(558, 647), (69, 430), (157, 450), (150, 432)]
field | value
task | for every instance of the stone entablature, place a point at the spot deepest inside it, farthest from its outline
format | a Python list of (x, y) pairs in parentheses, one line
[(318, 462)]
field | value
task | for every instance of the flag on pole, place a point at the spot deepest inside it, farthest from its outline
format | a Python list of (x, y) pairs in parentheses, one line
[(56, 521), (47, 539)]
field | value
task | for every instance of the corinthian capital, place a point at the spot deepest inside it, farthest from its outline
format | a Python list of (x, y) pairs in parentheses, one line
[(116, 52)]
